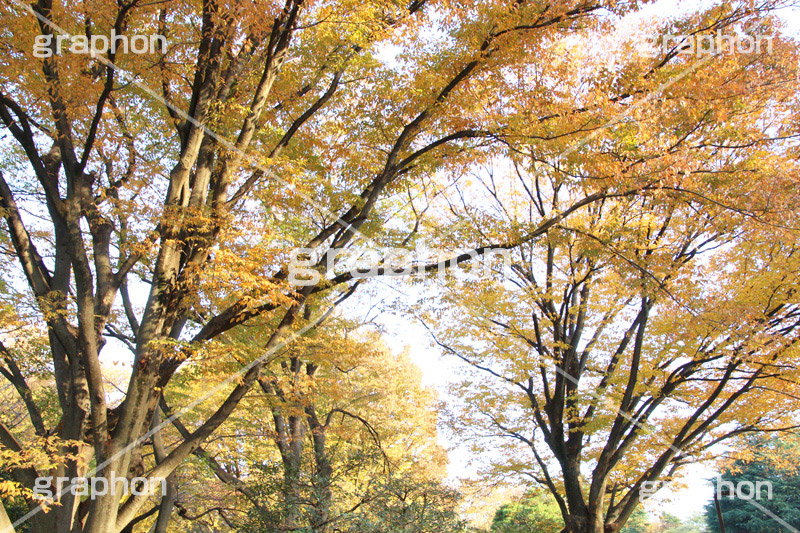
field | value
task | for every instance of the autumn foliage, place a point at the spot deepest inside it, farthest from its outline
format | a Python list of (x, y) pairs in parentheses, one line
[(152, 204)]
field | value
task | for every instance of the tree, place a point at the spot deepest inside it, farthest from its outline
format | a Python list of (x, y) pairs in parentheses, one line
[(638, 522), (355, 434), (340, 425), (407, 505), (626, 365), (669, 523), (535, 511), (153, 201), (196, 192), (770, 460), (642, 331), (696, 524)]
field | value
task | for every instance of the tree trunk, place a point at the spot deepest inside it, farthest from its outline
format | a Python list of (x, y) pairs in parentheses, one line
[(322, 475)]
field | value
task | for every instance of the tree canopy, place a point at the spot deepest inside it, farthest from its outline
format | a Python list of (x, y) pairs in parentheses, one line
[(156, 204)]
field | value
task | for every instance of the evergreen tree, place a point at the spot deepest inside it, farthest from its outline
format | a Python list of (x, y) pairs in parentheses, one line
[(534, 512), (769, 464)]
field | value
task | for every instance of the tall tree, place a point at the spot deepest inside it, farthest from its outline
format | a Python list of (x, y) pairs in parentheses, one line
[(345, 424), (628, 352), (640, 332), (152, 200)]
